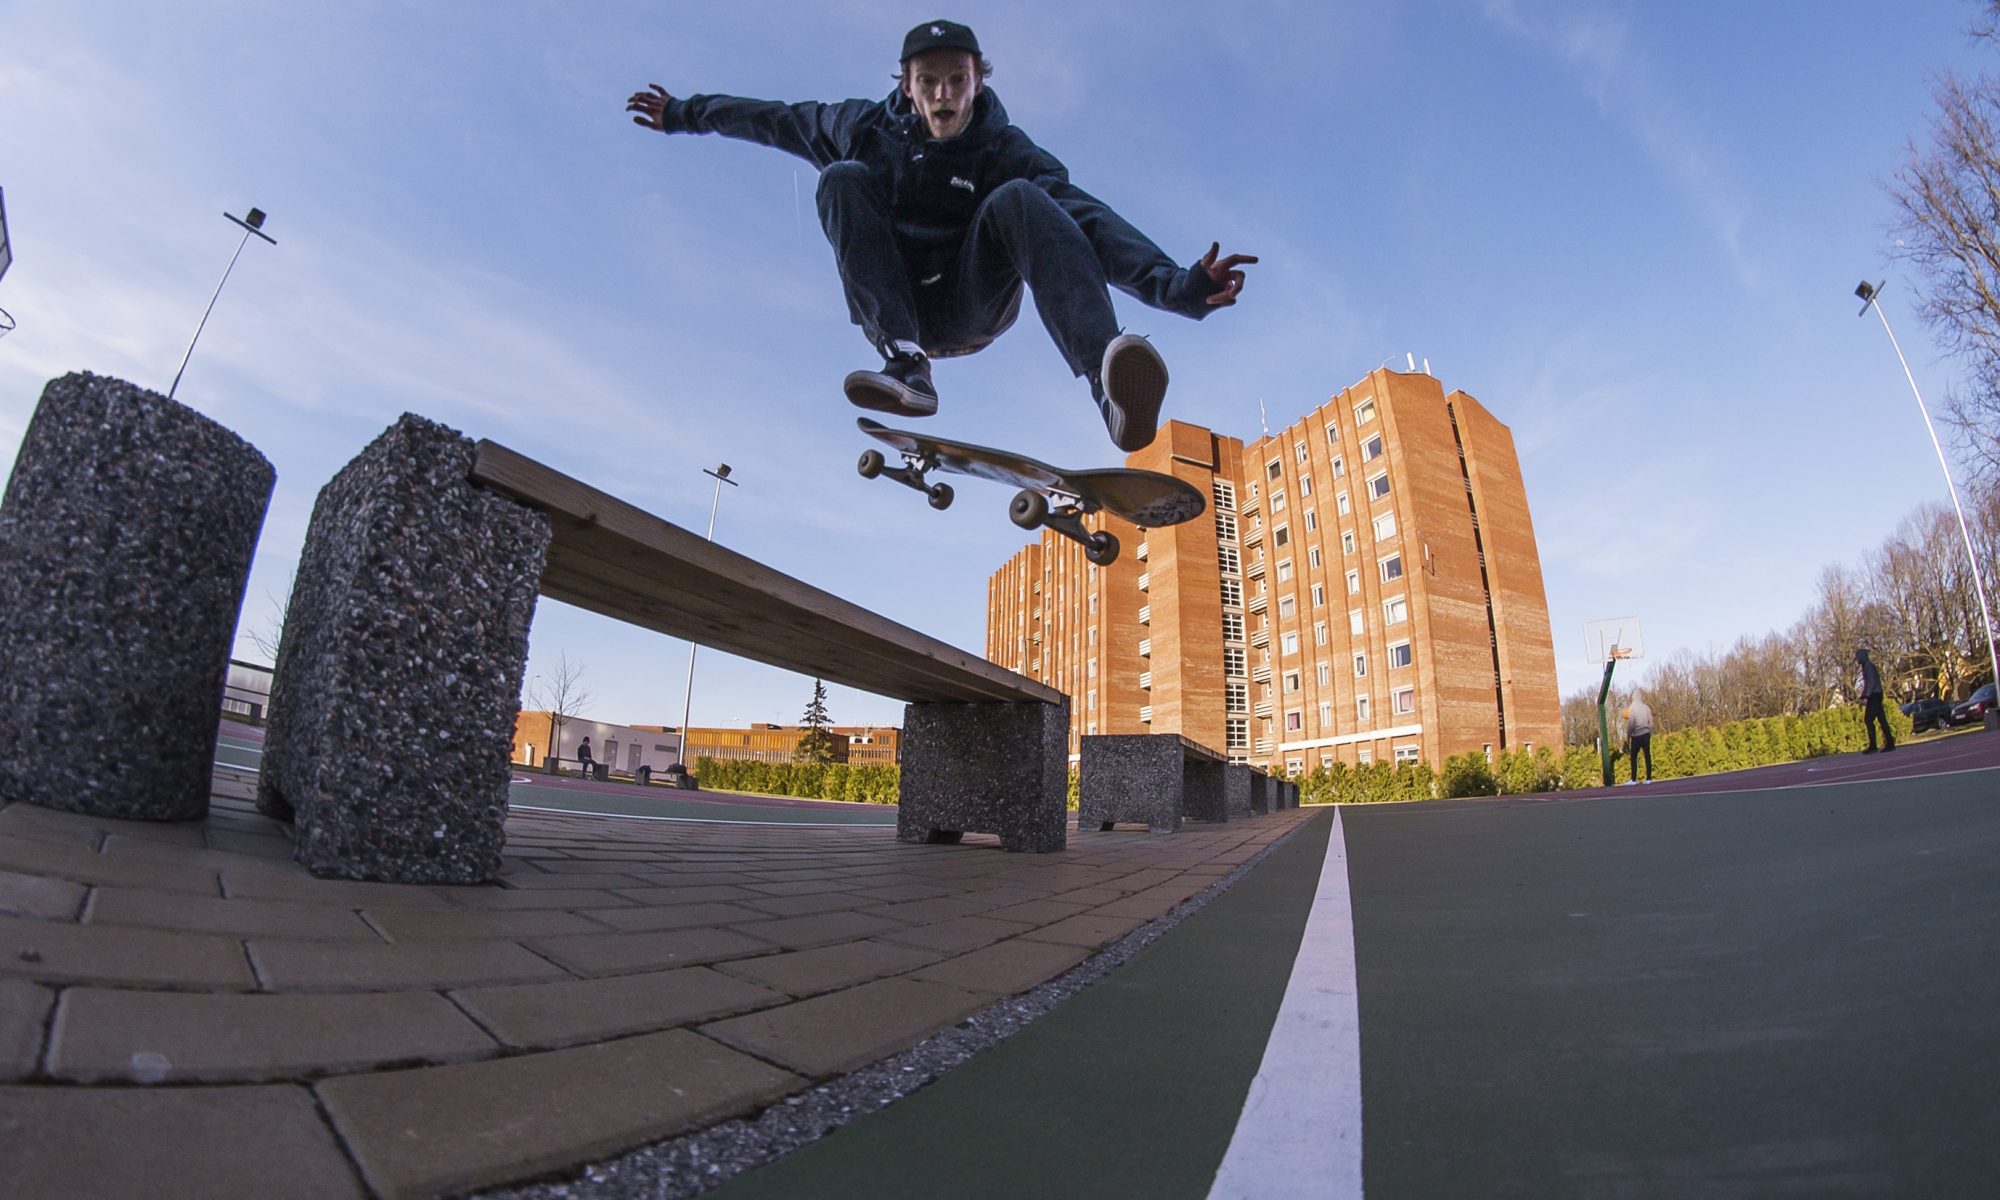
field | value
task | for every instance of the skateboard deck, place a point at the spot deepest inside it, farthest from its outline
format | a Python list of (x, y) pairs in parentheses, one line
[(1049, 496)]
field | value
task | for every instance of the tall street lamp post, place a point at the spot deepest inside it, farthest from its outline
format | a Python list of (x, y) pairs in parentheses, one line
[(721, 474), (1870, 294), (254, 223)]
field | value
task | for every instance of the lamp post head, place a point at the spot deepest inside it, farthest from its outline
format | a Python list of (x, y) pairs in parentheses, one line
[(1867, 292), (722, 471)]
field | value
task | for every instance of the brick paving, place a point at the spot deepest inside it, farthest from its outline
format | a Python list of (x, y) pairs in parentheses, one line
[(184, 1011)]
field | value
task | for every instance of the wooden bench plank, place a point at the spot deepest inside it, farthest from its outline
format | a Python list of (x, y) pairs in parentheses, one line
[(615, 559)]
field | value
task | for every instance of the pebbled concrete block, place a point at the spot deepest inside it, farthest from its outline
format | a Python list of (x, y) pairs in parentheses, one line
[(986, 768), (127, 531), (399, 672)]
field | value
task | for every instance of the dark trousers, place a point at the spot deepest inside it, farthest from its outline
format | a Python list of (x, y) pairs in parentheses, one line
[(1642, 743), (1871, 716), (1019, 234)]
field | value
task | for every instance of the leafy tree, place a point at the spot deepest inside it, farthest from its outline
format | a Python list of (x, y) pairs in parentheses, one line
[(817, 745), (561, 694)]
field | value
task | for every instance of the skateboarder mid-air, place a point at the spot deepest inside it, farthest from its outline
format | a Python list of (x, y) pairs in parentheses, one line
[(940, 210)]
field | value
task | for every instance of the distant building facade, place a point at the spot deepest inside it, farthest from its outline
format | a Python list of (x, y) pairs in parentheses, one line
[(628, 747), (1366, 587)]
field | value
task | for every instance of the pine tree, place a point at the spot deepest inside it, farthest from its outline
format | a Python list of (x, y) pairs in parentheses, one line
[(817, 744)]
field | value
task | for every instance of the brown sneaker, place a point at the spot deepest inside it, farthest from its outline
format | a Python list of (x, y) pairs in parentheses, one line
[(1129, 388)]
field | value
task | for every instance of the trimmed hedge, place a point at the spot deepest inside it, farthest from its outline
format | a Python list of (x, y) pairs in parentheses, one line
[(873, 784)]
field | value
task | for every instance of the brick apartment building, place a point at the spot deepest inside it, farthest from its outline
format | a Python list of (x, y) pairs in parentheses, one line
[(628, 747), (1365, 588)]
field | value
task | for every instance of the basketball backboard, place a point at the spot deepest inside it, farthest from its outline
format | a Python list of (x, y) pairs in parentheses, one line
[(1613, 639)]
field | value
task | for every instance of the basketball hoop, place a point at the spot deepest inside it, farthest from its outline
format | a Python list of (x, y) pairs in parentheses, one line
[(6, 323)]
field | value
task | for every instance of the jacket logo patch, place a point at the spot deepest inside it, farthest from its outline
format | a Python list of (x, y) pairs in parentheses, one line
[(963, 183), (937, 31)]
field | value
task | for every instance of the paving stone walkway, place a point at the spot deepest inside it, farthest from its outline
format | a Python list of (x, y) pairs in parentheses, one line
[(184, 1011)]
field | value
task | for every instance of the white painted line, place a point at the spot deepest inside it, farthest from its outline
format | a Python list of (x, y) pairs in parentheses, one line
[(1312, 1065), (583, 812)]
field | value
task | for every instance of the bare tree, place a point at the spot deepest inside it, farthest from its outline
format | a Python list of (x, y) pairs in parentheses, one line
[(1948, 227), (562, 695)]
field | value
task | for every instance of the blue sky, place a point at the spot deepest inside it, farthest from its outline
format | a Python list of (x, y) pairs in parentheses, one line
[(1631, 230)]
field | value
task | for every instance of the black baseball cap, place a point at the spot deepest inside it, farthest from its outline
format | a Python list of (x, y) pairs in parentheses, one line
[(939, 35)]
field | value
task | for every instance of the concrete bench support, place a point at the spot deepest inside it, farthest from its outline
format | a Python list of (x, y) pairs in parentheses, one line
[(1154, 778), (985, 768), (126, 536), (399, 673), (1238, 789)]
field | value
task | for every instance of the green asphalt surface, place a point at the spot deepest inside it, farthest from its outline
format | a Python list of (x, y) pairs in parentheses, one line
[(1130, 1088), (1759, 993)]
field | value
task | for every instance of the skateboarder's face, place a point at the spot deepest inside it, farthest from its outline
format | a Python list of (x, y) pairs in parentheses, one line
[(942, 85)]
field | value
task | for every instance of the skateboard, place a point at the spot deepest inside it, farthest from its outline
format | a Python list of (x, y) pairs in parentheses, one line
[(1049, 496)]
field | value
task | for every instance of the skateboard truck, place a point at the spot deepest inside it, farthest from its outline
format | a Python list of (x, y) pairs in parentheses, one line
[(911, 474), (1030, 509)]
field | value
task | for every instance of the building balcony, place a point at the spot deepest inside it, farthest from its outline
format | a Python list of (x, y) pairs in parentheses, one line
[(1145, 581), (1254, 536), (1260, 674), (1253, 504), (1264, 746), (1262, 709), (1146, 714), (1145, 614), (1258, 603), (1145, 647), (1146, 680), (1140, 553), (1255, 570), (1261, 638)]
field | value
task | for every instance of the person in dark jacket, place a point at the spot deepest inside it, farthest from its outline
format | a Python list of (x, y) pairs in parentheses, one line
[(1871, 703), (940, 210)]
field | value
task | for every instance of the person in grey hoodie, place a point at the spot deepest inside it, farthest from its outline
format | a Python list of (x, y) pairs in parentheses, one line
[(940, 210), (1639, 730), (1871, 703)]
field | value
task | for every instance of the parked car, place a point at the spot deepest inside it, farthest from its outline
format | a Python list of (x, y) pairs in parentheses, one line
[(1928, 714), (1974, 709)]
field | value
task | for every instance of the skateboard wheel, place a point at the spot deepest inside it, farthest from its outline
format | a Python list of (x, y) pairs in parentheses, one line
[(1102, 548), (941, 496), (1029, 509), (870, 465)]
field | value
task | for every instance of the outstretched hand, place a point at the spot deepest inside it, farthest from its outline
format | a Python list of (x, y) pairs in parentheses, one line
[(1224, 273), (651, 107)]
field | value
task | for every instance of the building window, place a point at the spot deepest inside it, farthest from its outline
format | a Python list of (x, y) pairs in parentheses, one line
[(1339, 465), (1325, 715), (1378, 486), (1361, 710), (1399, 656), (1341, 505), (1232, 592), (1284, 570), (1361, 666), (1291, 642), (1277, 502), (1225, 526), (1364, 756), (1288, 607), (1319, 595), (1236, 697), (1372, 448), (1332, 433), (1406, 754), (1300, 449), (1395, 610), (1392, 568), (1295, 720), (1093, 668), (1312, 521), (1235, 661), (1319, 633), (1225, 496), (1354, 583), (1312, 557), (1354, 625), (1239, 732), (1322, 669), (1305, 485), (1282, 535), (1272, 468), (1232, 627), (1093, 698), (1385, 526), (1232, 562), (1403, 701), (1292, 682), (1092, 639), (1364, 412), (1326, 759), (1347, 541)]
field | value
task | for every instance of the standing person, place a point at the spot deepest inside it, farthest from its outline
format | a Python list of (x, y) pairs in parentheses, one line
[(940, 210), (1639, 728), (583, 757), (1871, 703)]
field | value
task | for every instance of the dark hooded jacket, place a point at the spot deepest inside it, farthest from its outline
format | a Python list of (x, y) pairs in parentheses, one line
[(936, 186)]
